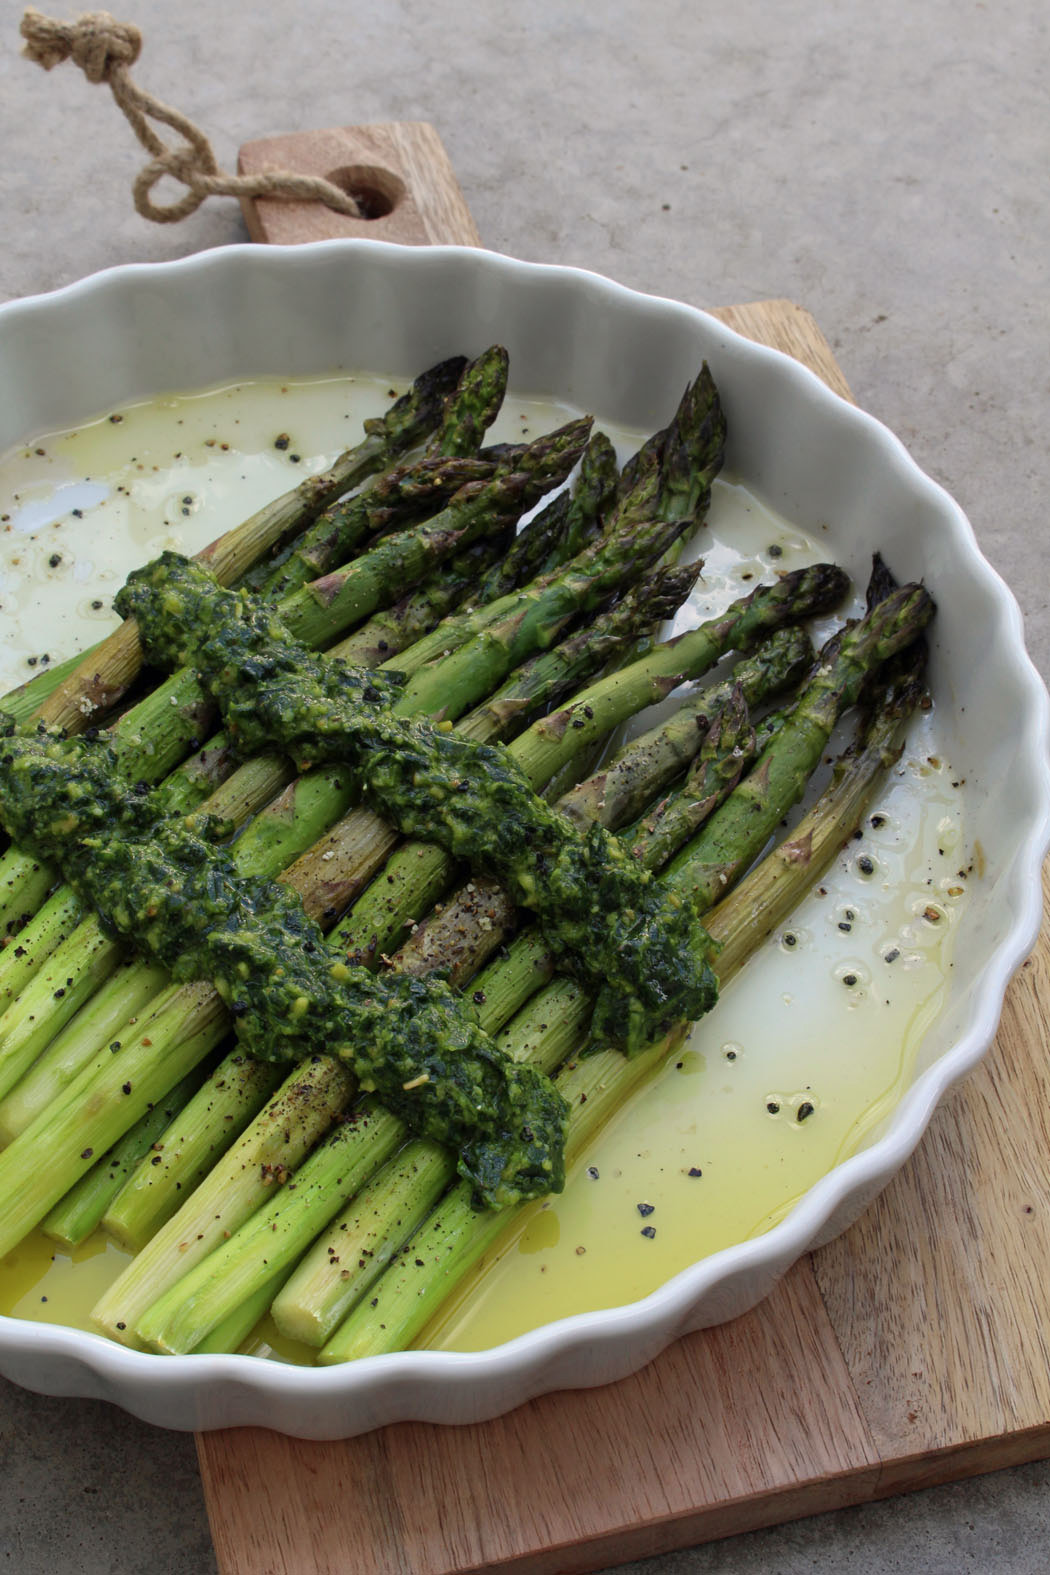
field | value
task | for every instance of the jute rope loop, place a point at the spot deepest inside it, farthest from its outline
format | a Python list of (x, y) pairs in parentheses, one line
[(105, 49)]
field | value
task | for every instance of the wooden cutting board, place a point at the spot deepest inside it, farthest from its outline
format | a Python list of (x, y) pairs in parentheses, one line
[(912, 1350)]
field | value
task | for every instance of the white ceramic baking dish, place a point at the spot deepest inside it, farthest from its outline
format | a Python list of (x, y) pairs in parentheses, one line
[(246, 311)]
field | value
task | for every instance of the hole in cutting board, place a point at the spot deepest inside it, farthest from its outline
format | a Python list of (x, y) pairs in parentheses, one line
[(377, 191)]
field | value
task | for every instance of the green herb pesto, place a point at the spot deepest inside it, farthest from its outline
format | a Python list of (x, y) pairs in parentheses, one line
[(174, 891), (639, 948)]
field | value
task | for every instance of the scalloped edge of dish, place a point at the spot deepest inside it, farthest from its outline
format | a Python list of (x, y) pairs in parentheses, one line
[(590, 1348)]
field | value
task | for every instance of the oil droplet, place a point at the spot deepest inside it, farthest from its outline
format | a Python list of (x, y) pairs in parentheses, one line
[(948, 833), (855, 976)]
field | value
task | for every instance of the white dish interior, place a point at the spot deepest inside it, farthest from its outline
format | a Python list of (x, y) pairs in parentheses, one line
[(246, 312)]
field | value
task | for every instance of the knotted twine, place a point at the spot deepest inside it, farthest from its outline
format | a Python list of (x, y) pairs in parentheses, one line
[(105, 49)]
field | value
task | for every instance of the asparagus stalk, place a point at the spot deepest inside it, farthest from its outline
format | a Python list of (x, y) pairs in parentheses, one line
[(715, 772), (542, 677), (22, 701), (75, 1216), (189, 1147), (76, 1089), (275, 1237), (140, 1281), (421, 1170), (396, 628), (128, 991), (288, 1215), (311, 1298), (455, 1237), (153, 736), (343, 1263), (756, 906), (560, 530), (234, 1331), (105, 673), (468, 409), (536, 616), (692, 448), (24, 884), (592, 493), (264, 1156), (711, 864), (28, 952), (547, 677), (53, 998), (314, 614), (376, 926)]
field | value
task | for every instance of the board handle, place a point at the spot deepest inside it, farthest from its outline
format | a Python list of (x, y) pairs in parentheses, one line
[(399, 173)]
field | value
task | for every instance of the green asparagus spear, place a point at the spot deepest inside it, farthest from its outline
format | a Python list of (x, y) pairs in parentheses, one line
[(393, 629), (316, 1297), (559, 531), (465, 412), (77, 1215), (891, 624), (695, 726), (526, 972), (549, 674), (264, 1157), (104, 674), (377, 923), (155, 734), (454, 1237), (707, 869), (276, 1236), (187, 1148), (536, 616), (322, 608)]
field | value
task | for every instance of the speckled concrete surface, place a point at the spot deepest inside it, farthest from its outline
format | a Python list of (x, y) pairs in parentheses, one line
[(883, 164)]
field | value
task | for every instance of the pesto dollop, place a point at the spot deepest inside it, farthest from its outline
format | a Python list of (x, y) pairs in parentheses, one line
[(641, 950), (174, 891)]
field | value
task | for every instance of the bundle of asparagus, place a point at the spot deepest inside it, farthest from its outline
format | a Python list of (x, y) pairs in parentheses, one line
[(86, 1066)]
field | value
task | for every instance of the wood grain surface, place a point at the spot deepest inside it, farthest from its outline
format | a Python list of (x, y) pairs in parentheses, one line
[(910, 1351), (401, 167)]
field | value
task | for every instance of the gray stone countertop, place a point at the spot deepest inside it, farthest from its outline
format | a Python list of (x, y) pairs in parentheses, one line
[(884, 165)]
